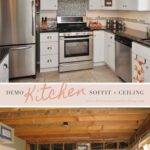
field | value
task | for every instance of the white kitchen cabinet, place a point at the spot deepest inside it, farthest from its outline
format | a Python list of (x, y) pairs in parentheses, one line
[(109, 53), (98, 48), (49, 61), (48, 4), (143, 53), (95, 4), (133, 5), (48, 51), (127, 4)]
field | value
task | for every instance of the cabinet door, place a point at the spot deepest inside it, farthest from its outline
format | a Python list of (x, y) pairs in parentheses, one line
[(120, 4), (111, 56), (127, 4), (48, 4), (110, 50), (131, 5), (145, 76), (98, 45), (95, 4), (147, 71)]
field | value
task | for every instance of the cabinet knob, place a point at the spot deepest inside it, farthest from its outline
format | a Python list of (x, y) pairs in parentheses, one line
[(5, 66), (147, 67)]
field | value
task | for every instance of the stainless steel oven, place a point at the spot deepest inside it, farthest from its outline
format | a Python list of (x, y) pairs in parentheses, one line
[(76, 51)]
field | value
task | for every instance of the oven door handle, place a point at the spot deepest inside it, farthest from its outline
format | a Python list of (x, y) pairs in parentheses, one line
[(70, 39)]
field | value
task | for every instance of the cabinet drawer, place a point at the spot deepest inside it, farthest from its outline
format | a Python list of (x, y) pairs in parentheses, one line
[(49, 61), (49, 48), (48, 37), (110, 37)]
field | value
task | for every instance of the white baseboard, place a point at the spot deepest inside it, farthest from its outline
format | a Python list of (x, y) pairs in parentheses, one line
[(99, 64), (48, 69)]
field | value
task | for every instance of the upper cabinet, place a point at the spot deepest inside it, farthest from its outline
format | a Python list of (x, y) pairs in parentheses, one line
[(127, 4), (48, 4), (95, 4), (131, 5)]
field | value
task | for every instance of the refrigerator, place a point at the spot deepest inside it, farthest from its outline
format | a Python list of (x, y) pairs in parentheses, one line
[(17, 33)]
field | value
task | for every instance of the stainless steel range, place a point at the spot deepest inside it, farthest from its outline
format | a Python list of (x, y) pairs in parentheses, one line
[(76, 44)]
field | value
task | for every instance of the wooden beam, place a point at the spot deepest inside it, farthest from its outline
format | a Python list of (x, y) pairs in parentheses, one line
[(142, 131), (38, 120), (66, 131), (78, 138), (26, 112), (89, 123)]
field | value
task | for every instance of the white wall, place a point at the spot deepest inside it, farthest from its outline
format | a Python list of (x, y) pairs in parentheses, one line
[(19, 144), (139, 16), (2, 147)]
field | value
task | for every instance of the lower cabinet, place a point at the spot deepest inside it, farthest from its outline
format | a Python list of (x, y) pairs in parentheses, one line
[(4, 70), (110, 50), (140, 63), (48, 51), (49, 61), (98, 46)]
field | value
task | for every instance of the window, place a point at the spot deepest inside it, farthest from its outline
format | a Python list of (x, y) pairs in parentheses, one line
[(33, 147), (69, 146), (123, 145), (44, 147), (112, 145), (57, 146), (96, 146)]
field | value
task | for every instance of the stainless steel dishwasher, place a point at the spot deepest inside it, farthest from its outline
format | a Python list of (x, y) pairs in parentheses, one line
[(123, 58)]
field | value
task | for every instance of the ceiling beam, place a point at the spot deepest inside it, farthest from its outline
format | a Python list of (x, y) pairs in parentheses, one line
[(38, 120), (142, 131)]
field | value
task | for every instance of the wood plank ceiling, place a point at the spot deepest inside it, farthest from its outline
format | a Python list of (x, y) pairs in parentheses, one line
[(45, 125)]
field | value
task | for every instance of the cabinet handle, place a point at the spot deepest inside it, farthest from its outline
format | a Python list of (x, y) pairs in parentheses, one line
[(49, 60), (49, 48), (49, 37)]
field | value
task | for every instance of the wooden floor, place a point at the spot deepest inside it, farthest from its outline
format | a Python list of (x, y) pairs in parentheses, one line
[(98, 74)]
